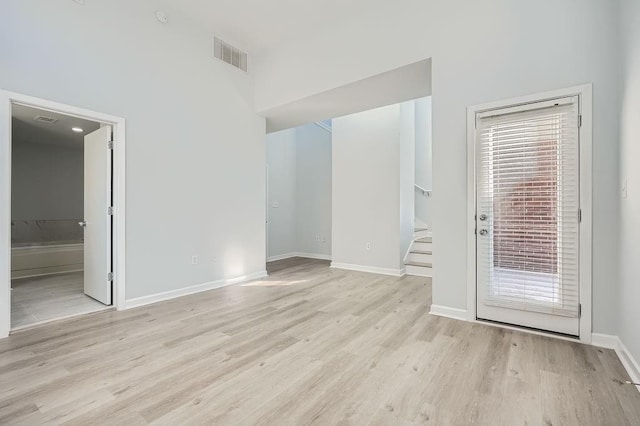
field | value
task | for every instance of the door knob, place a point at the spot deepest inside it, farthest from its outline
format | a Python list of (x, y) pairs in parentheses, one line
[(483, 232), (483, 217), (83, 224)]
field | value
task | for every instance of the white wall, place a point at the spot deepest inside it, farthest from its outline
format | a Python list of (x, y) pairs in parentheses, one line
[(474, 62), (313, 190), (299, 163), (47, 181), (407, 170), (282, 205), (424, 164), (366, 188), (629, 314), (195, 147)]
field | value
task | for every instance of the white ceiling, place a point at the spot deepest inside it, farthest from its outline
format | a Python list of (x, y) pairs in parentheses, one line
[(26, 129), (254, 25), (392, 87)]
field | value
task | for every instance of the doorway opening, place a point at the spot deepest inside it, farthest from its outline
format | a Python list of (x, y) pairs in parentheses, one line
[(62, 202), (60, 179), (299, 192)]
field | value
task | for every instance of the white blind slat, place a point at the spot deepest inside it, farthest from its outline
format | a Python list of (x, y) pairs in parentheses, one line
[(528, 187)]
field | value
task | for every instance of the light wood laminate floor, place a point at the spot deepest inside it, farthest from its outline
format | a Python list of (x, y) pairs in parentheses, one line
[(39, 299), (308, 345)]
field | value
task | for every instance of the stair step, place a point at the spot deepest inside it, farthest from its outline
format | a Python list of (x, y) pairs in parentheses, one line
[(422, 264), (415, 251), (417, 271), (424, 240)]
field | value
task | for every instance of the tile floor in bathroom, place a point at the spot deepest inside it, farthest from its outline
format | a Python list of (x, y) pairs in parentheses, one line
[(50, 297)]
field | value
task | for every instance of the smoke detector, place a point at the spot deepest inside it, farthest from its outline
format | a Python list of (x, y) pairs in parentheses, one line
[(162, 17), (43, 119)]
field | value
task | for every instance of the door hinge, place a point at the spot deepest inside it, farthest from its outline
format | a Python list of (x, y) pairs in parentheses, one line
[(580, 120), (580, 310), (110, 276), (110, 145), (579, 215), (110, 211)]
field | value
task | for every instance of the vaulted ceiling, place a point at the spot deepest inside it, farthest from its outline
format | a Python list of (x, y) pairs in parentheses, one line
[(258, 24)]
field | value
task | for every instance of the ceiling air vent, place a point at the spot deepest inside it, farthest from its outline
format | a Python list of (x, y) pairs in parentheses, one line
[(229, 54), (44, 119)]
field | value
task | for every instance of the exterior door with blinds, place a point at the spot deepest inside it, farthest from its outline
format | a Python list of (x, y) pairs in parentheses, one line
[(528, 215)]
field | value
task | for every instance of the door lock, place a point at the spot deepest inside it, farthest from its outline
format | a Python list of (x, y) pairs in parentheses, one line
[(483, 232), (483, 217)]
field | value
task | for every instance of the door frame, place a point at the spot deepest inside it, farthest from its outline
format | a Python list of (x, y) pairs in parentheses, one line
[(584, 94), (7, 99)]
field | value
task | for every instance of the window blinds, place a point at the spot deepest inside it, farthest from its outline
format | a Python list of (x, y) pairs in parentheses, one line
[(528, 205)]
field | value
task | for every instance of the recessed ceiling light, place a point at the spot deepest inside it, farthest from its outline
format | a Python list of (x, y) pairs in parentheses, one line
[(77, 129)]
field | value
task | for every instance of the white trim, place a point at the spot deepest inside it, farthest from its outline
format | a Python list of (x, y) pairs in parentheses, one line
[(629, 363), (172, 294), (447, 312), (299, 254), (119, 259), (607, 341), (584, 92), (530, 331), (280, 257), (370, 269), (312, 255)]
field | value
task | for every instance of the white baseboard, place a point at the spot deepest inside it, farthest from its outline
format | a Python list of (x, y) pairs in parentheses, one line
[(280, 257), (447, 312), (626, 358), (167, 295), (371, 269), (299, 254), (607, 341), (313, 256)]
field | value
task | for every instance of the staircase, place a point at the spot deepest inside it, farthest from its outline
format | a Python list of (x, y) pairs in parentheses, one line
[(419, 258)]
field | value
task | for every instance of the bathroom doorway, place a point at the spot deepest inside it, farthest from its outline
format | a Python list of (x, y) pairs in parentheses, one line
[(59, 176), (62, 209)]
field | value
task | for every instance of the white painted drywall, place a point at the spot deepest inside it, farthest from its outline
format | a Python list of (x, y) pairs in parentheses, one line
[(299, 163), (47, 182), (424, 162), (195, 147), (629, 314), (313, 190), (481, 51), (407, 171), (282, 206), (366, 188)]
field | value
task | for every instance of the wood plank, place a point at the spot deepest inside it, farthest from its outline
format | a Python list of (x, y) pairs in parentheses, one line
[(308, 344)]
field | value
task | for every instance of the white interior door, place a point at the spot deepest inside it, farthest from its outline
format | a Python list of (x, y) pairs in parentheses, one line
[(528, 215), (97, 221)]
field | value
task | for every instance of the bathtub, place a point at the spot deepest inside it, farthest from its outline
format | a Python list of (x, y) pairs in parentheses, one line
[(33, 260)]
